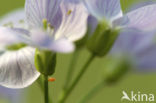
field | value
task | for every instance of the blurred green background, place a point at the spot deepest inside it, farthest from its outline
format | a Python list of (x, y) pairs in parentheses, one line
[(145, 83)]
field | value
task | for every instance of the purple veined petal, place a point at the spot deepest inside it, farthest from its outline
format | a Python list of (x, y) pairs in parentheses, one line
[(74, 21), (37, 10), (9, 36), (42, 40), (139, 47), (15, 18), (127, 41), (141, 4), (143, 19), (92, 24), (104, 9), (12, 95), (17, 68)]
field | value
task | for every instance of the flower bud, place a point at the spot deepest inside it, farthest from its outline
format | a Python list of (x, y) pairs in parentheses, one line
[(115, 69), (45, 62), (102, 40)]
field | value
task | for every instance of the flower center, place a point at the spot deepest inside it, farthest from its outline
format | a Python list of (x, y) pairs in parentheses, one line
[(48, 27)]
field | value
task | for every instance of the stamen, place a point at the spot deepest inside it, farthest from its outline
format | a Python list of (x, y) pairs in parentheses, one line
[(21, 21), (69, 12), (50, 26), (9, 24), (45, 22), (51, 79)]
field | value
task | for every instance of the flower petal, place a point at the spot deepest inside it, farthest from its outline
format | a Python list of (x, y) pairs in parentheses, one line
[(10, 36), (17, 68), (92, 24), (42, 40), (37, 10), (104, 9), (143, 19), (74, 21), (15, 18), (138, 47)]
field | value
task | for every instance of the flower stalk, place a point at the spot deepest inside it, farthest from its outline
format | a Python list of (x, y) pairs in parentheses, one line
[(71, 69), (81, 73), (93, 92), (46, 89)]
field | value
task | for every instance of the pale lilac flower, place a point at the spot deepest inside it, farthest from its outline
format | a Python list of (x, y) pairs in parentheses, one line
[(138, 48), (11, 95), (17, 67), (137, 39), (110, 10), (66, 22)]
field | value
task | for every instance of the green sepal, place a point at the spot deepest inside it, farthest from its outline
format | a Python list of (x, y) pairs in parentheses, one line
[(115, 68), (45, 62), (82, 42), (102, 40)]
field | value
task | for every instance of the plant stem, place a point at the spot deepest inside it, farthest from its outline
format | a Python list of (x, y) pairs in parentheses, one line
[(71, 69), (46, 92), (92, 92), (41, 86), (83, 70)]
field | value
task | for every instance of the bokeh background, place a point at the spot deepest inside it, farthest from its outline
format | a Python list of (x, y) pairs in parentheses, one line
[(143, 82)]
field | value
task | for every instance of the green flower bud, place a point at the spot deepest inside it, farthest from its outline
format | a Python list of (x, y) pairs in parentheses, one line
[(115, 69), (102, 40), (45, 62)]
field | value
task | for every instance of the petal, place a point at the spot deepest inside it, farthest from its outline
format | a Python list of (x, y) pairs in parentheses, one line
[(17, 68), (138, 47), (15, 18), (10, 36), (42, 40), (74, 21), (143, 19), (104, 9), (92, 24), (13, 95), (37, 10)]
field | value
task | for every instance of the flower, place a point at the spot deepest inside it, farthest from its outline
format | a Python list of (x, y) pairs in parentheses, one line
[(17, 68), (109, 14), (11, 95), (138, 49), (137, 37), (142, 18), (58, 17), (52, 25)]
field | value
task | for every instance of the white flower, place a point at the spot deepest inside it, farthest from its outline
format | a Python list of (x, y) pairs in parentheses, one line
[(65, 22)]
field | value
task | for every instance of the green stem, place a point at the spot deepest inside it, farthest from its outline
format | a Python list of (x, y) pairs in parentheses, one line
[(41, 86), (92, 92), (46, 92), (71, 69), (83, 70)]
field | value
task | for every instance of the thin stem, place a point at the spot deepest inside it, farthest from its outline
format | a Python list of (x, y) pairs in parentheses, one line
[(83, 70), (71, 69), (46, 92), (92, 92)]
